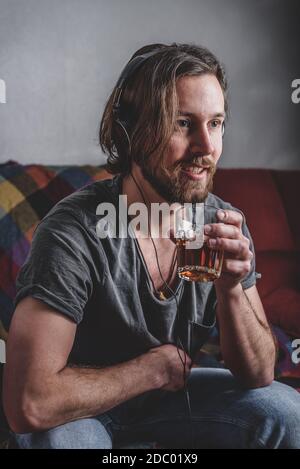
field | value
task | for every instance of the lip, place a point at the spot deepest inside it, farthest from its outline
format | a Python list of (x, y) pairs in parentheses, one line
[(195, 176)]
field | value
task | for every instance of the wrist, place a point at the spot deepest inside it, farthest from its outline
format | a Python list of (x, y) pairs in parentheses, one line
[(155, 375), (228, 291)]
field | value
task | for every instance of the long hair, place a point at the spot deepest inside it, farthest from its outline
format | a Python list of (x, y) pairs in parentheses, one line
[(149, 103)]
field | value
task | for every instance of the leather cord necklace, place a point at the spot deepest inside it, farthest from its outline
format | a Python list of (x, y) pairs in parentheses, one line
[(162, 292)]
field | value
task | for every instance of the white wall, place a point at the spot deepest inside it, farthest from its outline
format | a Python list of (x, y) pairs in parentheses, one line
[(61, 58)]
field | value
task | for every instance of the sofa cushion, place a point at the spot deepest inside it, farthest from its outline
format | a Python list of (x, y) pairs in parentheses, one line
[(279, 269), (283, 306), (255, 192), (288, 186), (269, 200), (27, 193)]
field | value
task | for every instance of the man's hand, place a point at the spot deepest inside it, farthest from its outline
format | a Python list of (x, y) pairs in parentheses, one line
[(41, 391), (228, 236), (168, 366)]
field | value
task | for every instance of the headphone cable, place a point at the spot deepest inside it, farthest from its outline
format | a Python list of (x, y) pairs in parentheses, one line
[(178, 340)]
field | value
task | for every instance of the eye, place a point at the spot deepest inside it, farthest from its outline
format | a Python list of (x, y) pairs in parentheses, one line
[(216, 123), (184, 123)]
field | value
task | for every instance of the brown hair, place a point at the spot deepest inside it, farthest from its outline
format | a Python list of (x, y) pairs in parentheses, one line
[(149, 103)]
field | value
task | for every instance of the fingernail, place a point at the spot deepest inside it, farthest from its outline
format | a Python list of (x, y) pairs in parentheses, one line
[(221, 214), (212, 242), (207, 229)]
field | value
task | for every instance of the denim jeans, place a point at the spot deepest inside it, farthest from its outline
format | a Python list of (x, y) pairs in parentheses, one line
[(223, 415)]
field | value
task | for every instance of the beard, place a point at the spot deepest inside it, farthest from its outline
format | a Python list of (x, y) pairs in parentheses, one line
[(174, 185)]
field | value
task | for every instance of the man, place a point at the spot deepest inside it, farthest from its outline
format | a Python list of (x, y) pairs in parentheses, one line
[(93, 357)]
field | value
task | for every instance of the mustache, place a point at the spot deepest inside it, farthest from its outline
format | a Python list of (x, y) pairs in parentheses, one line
[(201, 162)]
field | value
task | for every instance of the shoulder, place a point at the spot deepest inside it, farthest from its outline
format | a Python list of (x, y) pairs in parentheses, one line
[(80, 206), (217, 202)]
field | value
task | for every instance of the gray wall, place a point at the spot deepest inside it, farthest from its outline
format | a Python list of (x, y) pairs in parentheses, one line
[(60, 59)]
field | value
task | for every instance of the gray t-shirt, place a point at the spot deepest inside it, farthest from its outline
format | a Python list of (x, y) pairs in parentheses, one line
[(103, 285)]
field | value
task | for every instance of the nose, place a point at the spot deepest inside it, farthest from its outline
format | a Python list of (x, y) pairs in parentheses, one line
[(201, 141)]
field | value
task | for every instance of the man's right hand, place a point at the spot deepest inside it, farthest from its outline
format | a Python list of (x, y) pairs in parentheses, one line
[(168, 366)]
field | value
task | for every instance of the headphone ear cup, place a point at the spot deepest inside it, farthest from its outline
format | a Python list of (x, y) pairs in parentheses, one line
[(121, 134)]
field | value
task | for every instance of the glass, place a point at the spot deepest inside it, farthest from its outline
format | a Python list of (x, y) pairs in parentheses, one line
[(196, 260)]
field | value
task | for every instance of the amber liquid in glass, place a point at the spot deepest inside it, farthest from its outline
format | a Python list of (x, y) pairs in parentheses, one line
[(198, 265)]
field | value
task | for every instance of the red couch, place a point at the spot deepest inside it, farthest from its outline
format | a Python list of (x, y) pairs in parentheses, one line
[(269, 200)]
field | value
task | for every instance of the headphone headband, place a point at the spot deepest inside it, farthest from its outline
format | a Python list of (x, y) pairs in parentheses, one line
[(133, 65), (129, 70)]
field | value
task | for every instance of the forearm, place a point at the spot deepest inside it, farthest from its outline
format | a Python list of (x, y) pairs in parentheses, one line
[(246, 341), (76, 393)]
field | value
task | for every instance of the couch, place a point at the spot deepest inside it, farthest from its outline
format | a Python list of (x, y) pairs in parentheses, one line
[(268, 199)]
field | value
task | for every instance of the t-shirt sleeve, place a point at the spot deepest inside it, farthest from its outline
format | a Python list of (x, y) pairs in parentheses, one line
[(57, 269)]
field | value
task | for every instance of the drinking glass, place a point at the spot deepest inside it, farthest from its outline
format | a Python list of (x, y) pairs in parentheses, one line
[(196, 260)]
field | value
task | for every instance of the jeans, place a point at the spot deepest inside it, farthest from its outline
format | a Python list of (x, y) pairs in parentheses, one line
[(223, 415)]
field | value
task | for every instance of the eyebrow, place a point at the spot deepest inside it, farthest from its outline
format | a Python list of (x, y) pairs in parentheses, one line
[(184, 113)]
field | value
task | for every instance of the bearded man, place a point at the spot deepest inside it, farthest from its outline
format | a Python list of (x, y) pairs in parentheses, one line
[(104, 333)]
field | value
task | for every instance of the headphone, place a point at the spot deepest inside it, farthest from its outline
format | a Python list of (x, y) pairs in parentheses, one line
[(127, 72), (129, 69)]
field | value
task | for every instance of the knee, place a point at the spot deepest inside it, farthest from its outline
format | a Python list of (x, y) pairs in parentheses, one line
[(275, 414), (79, 434)]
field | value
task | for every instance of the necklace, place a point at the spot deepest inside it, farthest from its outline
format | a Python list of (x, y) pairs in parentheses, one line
[(161, 293)]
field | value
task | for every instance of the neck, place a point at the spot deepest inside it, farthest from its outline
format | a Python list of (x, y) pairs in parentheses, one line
[(131, 189), (138, 189)]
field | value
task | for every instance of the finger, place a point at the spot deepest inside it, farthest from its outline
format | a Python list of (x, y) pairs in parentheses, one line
[(184, 356), (188, 363), (236, 268), (238, 248), (188, 360), (223, 231), (231, 217)]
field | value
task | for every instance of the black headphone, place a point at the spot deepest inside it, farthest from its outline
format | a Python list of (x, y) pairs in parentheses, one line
[(127, 72)]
